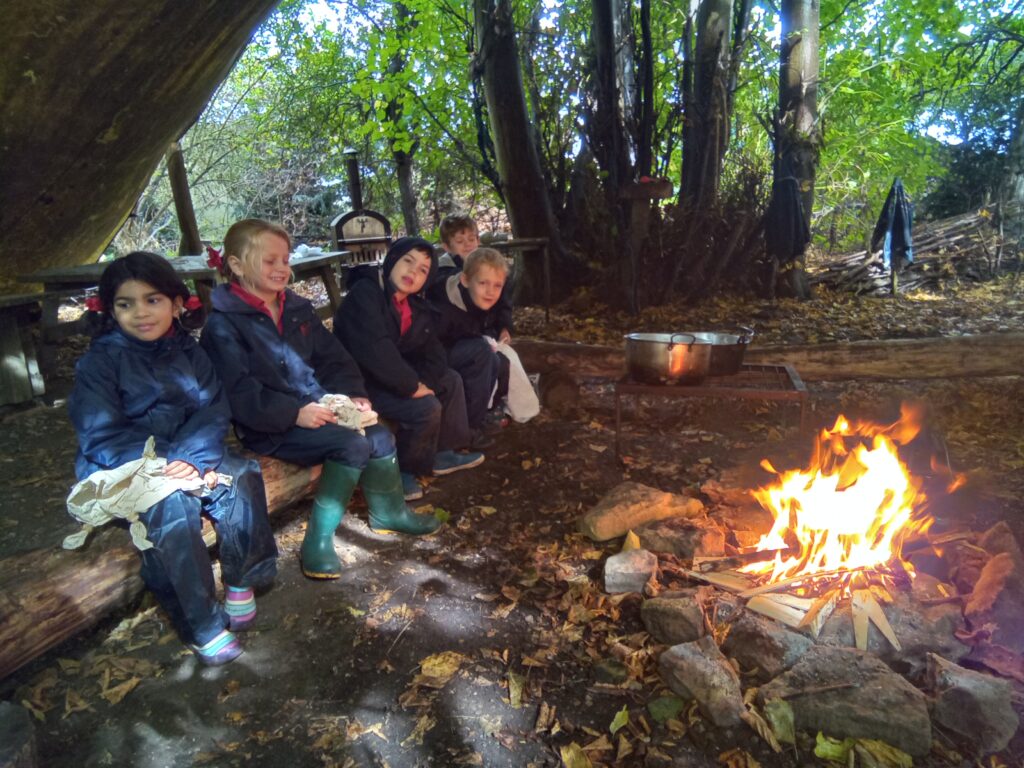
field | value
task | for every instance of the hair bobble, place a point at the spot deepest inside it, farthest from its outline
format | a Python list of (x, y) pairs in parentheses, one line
[(193, 303), (95, 304), (214, 259)]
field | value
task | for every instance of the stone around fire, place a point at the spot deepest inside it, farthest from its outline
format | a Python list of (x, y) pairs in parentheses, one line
[(685, 538), (673, 620), (698, 670), (629, 505), (997, 599), (760, 643), (975, 706), (843, 692), (629, 571)]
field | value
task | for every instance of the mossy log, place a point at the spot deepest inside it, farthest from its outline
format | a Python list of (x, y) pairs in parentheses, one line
[(50, 595), (93, 93)]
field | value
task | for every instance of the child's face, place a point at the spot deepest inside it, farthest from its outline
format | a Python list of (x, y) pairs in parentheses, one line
[(143, 312), (463, 242), (409, 274), (485, 286), (269, 275)]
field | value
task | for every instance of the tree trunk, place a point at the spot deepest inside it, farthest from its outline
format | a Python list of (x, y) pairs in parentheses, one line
[(707, 110), (1015, 159), (191, 243), (404, 22), (522, 183), (93, 94), (798, 136)]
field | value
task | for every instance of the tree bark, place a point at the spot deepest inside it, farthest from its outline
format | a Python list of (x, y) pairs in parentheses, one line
[(93, 94), (191, 243), (522, 183), (798, 136), (404, 21), (707, 110), (1015, 159), (50, 595)]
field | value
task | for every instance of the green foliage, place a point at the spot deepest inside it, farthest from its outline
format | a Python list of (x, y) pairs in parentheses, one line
[(383, 77)]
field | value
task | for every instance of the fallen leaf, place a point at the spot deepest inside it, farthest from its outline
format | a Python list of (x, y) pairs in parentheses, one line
[(620, 720), (118, 692), (515, 689), (573, 756), (436, 670), (424, 724), (74, 703)]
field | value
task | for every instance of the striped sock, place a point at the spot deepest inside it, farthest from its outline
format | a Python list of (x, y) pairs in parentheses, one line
[(240, 605), (222, 649)]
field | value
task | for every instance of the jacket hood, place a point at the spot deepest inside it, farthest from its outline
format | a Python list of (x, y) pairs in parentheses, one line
[(398, 249), (116, 338)]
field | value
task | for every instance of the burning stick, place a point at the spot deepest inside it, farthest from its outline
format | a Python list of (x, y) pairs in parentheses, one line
[(819, 612), (728, 562), (777, 585), (866, 609)]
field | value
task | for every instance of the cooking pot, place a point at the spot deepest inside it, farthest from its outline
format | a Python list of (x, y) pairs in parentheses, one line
[(727, 348), (667, 358)]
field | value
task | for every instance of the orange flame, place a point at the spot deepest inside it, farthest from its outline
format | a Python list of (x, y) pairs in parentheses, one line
[(853, 507)]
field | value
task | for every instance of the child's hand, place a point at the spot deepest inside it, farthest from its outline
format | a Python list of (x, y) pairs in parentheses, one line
[(362, 403), (314, 416), (422, 390), (180, 470), (505, 337), (210, 478)]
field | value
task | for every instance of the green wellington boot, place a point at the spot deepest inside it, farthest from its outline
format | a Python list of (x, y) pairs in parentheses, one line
[(382, 487), (319, 560)]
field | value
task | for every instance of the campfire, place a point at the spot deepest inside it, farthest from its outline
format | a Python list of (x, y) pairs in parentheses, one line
[(840, 527)]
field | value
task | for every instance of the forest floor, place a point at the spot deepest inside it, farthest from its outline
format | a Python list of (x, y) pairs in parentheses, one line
[(490, 643)]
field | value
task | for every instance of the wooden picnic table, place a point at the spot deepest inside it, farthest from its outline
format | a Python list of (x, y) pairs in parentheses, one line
[(80, 278)]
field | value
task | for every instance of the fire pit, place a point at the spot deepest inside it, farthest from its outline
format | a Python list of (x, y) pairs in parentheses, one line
[(839, 530)]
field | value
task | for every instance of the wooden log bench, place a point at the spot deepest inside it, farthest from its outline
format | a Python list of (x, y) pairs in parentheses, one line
[(49, 595)]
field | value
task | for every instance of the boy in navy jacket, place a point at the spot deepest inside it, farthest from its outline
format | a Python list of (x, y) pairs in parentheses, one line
[(390, 331), (470, 317)]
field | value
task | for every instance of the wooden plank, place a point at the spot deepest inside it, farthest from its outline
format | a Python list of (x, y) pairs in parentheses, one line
[(49, 595), (999, 354)]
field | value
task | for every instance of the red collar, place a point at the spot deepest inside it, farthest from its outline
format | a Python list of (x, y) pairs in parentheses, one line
[(257, 303)]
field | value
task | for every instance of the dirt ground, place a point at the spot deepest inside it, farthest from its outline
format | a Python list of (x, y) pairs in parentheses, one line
[(490, 643)]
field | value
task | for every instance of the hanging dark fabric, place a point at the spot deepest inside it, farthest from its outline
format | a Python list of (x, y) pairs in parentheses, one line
[(787, 232), (892, 230)]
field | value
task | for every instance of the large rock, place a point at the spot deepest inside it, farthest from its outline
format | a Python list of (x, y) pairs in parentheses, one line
[(998, 600), (629, 571), (684, 537), (699, 671), (760, 643), (843, 692), (629, 505), (673, 620), (975, 706), (921, 629)]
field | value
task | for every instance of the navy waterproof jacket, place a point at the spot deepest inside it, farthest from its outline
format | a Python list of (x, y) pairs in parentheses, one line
[(269, 375), (458, 317), (452, 264), (368, 324), (127, 389)]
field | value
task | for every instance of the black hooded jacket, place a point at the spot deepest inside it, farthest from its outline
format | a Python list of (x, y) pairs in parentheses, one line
[(368, 324)]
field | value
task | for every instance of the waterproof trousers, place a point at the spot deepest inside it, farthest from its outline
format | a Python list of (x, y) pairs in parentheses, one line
[(478, 366), (177, 569)]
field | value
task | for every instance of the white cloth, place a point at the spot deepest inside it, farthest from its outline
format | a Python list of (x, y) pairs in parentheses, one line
[(347, 413), (124, 493), (522, 403)]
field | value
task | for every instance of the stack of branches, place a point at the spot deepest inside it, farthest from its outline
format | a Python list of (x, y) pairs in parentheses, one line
[(972, 246)]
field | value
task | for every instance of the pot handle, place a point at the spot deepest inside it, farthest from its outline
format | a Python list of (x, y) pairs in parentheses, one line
[(672, 339), (746, 335)]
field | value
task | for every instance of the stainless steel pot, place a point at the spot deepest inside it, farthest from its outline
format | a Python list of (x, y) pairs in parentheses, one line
[(667, 358), (727, 348)]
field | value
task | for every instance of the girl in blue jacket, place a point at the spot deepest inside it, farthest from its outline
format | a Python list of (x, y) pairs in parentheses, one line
[(277, 361), (145, 375)]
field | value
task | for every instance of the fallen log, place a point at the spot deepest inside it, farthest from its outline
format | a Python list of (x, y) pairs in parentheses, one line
[(999, 354), (49, 595)]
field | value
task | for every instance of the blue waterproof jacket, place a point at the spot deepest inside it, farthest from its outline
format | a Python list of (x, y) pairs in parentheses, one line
[(369, 325), (127, 389), (269, 375)]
